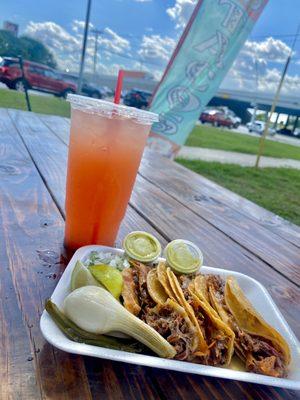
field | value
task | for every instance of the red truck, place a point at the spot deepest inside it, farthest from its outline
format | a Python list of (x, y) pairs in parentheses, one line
[(36, 76), (219, 118)]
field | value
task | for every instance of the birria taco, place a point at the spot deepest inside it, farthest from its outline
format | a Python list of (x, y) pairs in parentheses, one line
[(259, 345), (218, 337), (159, 310)]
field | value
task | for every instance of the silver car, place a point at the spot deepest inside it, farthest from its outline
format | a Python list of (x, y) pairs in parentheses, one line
[(259, 127)]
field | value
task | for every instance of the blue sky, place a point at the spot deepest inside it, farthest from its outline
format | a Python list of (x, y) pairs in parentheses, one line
[(144, 33)]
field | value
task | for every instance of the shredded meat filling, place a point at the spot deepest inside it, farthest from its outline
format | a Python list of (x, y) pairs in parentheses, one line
[(217, 342), (173, 327), (135, 294), (129, 291), (144, 297), (184, 282), (260, 356)]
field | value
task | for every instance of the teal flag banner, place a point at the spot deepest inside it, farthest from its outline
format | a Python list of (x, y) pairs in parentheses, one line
[(206, 50)]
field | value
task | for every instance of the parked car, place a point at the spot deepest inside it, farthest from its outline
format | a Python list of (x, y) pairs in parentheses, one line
[(36, 76), (236, 120), (88, 89), (137, 98), (289, 132), (217, 118), (108, 91), (259, 127)]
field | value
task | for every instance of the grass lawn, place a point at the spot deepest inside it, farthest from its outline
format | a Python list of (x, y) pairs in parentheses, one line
[(39, 104), (215, 138), (276, 189)]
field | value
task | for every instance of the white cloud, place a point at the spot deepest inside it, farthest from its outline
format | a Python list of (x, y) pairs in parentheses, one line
[(78, 26), (53, 36), (112, 41), (270, 49), (156, 49), (254, 68), (271, 79), (66, 46), (181, 11)]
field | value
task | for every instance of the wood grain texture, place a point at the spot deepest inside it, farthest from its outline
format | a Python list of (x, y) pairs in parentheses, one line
[(175, 386), (151, 209), (210, 191), (187, 187), (17, 374), (59, 126), (31, 264)]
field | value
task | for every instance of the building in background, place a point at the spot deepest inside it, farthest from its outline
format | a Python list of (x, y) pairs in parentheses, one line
[(11, 27)]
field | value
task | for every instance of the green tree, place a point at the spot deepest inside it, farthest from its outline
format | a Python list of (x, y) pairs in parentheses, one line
[(9, 44), (37, 51), (28, 48)]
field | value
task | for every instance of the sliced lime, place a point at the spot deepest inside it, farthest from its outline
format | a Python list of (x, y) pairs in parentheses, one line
[(110, 277), (81, 276)]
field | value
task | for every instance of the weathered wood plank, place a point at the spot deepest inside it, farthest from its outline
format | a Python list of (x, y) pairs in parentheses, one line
[(31, 236), (185, 186), (113, 380), (17, 373), (208, 192), (59, 126)]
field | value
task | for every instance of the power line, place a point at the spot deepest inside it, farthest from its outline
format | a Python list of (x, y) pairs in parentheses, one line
[(97, 32), (85, 35), (132, 58)]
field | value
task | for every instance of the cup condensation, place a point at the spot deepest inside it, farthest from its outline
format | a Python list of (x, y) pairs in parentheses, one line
[(106, 146)]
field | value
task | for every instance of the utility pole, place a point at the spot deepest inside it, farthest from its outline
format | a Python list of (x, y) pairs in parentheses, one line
[(254, 103), (275, 101), (25, 86), (85, 35), (97, 32)]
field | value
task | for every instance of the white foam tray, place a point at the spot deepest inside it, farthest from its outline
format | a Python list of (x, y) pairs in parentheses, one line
[(256, 293)]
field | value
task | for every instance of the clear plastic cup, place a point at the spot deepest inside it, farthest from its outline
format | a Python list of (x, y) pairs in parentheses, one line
[(106, 146)]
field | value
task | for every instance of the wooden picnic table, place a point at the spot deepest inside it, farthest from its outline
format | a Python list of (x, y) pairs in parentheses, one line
[(169, 201)]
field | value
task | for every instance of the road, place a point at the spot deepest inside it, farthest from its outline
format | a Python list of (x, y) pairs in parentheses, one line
[(231, 157), (276, 138)]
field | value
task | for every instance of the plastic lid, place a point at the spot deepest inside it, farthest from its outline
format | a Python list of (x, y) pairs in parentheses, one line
[(142, 246), (183, 257), (111, 110)]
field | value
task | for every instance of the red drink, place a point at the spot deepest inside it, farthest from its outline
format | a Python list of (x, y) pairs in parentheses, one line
[(106, 146)]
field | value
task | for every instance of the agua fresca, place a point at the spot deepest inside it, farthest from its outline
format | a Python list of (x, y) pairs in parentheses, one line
[(106, 146)]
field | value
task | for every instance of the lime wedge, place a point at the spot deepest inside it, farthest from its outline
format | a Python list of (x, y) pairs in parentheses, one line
[(81, 276), (110, 277)]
